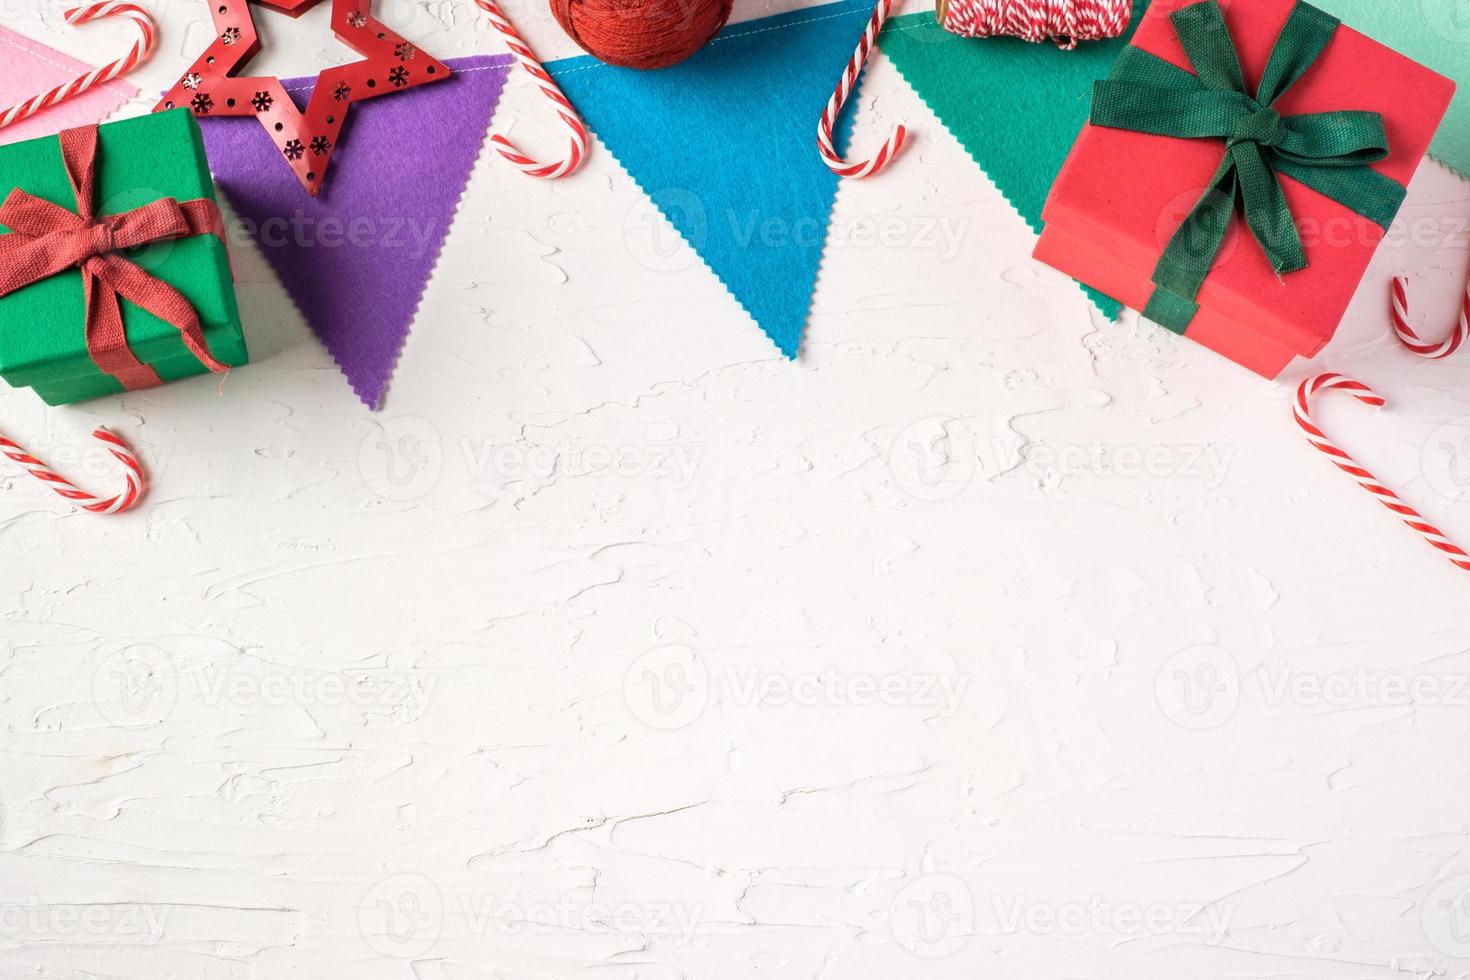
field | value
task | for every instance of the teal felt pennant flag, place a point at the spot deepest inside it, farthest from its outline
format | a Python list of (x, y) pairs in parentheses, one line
[(724, 144), (1015, 107), (1435, 33)]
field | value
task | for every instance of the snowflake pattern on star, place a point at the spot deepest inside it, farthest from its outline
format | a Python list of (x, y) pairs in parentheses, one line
[(215, 84)]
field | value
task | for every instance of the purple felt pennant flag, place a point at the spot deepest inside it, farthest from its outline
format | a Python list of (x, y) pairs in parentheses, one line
[(356, 258)]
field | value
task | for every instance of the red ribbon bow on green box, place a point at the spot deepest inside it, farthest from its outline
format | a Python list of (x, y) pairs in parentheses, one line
[(47, 239)]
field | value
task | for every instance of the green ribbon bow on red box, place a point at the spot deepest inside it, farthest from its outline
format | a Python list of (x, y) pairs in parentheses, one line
[(1330, 152)]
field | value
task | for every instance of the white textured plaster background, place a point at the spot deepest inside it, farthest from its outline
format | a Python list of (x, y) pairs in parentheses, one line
[(988, 639)]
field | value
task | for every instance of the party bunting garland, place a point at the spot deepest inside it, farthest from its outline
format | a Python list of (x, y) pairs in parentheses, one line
[(357, 258), (757, 217)]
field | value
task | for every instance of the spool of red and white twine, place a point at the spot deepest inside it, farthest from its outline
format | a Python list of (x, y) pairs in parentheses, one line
[(1399, 312), (1066, 22), (136, 485), (577, 151), (1303, 411), (139, 53)]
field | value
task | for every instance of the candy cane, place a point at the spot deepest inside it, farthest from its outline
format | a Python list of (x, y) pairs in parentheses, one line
[(137, 483), (578, 151), (1399, 310), (892, 145), (1366, 480), (138, 54)]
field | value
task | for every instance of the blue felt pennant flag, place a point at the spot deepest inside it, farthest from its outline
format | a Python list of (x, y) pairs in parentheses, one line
[(724, 144)]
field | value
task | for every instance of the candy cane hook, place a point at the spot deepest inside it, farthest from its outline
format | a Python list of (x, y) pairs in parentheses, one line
[(1365, 479), (139, 53), (891, 146), (137, 483), (1399, 311), (577, 153)]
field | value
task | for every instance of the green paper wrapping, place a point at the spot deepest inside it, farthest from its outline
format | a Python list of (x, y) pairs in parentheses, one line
[(42, 326)]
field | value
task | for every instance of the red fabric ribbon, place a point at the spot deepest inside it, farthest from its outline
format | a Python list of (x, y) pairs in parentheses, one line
[(46, 239)]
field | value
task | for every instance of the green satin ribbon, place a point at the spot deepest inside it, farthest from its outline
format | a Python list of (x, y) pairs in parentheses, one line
[(1330, 152)]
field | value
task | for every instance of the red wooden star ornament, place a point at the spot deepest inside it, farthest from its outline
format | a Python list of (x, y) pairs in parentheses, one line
[(306, 140)]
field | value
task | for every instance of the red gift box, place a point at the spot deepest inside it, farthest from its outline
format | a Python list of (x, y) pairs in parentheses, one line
[(1122, 194)]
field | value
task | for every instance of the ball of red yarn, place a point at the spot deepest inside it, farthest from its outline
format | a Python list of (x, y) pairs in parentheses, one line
[(641, 33)]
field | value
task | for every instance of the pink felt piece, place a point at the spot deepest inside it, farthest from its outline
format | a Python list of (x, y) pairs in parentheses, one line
[(29, 68), (1121, 194)]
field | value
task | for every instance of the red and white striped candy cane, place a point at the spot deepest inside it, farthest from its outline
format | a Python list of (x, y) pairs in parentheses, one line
[(577, 153), (891, 146), (1399, 311), (137, 483), (1366, 480), (138, 54)]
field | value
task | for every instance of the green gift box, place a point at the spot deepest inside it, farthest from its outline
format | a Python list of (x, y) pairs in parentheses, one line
[(44, 324)]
